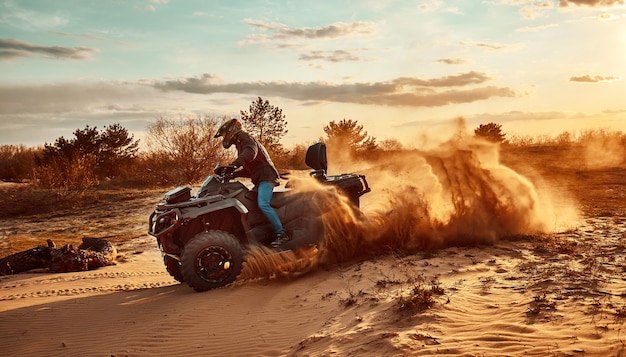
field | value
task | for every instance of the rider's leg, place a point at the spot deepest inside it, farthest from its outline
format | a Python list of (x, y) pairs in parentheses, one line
[(264, 196)]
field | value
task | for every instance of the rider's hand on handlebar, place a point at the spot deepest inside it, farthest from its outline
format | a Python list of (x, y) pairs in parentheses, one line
[(230, 169), (225, 170)]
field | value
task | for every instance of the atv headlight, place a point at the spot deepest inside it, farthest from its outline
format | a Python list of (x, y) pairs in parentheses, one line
[(167, 220)]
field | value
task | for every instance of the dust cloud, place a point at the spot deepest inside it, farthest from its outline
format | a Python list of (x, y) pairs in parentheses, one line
[(602, 150), (451, 193)]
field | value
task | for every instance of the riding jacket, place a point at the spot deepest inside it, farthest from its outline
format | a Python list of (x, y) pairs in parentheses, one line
[(255, 160)]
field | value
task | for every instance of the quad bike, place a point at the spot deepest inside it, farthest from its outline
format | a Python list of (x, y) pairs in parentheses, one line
[(204, 238)]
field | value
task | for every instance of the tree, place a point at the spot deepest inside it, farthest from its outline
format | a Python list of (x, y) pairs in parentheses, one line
[(111, 148), (266, 123), (117, 149), (348, 134), (491, 132), (183, 150), (78, 163), (86, 141)]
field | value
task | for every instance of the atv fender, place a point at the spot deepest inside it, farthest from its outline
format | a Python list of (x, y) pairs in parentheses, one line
[(181, 215), (213, 207)]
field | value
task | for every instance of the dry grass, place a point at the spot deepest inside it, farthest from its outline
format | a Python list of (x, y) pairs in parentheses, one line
[(421, 297), (31, 216), (541, 304)]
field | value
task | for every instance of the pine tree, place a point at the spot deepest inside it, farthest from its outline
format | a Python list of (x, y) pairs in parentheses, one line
[(266, 123)]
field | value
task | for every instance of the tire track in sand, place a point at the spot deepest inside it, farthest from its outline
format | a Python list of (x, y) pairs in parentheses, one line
[(75, 284)]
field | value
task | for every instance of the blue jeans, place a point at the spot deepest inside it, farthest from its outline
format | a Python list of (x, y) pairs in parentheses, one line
[(264, 196)]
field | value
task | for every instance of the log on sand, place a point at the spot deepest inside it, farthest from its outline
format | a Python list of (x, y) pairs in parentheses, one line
[(91, 254)]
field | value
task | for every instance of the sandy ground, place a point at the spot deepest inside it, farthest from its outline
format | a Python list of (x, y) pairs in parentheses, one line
[(556, 294)]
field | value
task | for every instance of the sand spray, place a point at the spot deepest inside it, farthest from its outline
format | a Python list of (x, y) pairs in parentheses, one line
[(449, 193)]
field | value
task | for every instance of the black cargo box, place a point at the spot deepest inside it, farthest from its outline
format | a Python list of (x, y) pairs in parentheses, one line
[(178, 194), (350, 185)]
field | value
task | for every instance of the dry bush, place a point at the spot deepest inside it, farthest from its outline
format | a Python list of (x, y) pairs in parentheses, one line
[(602, 148), (541, 304), (67, 177), (602, 139), (420, 297), (26, 199), (16, 162), (183, 150), (293, 159), (418, 300), (521, 141)]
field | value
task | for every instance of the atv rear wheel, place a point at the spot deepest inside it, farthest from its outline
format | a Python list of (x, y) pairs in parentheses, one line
[(211, 259), (173, 268)]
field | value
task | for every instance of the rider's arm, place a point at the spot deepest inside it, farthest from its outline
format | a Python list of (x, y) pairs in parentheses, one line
[(247, 149)]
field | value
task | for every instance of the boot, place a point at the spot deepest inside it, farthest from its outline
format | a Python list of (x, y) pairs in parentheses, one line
[(280, 240)]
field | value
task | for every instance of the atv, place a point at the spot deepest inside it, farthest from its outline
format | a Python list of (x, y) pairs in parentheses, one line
[(204, 238)]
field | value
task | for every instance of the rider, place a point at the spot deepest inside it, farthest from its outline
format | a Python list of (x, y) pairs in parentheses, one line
[(258, 165)]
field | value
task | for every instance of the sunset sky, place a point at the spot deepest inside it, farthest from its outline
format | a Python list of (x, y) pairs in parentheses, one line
[(397, 67)]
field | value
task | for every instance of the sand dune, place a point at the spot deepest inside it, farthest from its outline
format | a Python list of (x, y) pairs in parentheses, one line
[(493, 304)]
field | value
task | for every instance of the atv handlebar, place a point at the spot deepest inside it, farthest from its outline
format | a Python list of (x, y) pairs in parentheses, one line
[(224, 170), (226, 173)]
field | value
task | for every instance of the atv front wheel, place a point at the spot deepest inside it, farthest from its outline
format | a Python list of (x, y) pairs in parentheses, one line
[(173, 268), (211, 259)]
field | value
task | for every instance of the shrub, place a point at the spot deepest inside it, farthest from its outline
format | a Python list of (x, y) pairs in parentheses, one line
[(183, 150), (67, 176)]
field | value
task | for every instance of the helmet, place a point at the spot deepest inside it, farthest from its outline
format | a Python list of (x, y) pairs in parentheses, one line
[(229, 131)]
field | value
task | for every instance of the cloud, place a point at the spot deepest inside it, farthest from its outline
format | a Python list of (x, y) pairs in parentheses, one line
[(536, 28), (535, 9), (593, 3), (153, 8), (34, 114), (608, 17), (14, 16), (454, 61), (490, 46), (435, 5), (10, 49), (332, 31), (330, 56), (84, 36), (403, 91), (431, 5), (532, 9), (595, 79), (442, 98), (462, 79), (614, 111), (67, 97)]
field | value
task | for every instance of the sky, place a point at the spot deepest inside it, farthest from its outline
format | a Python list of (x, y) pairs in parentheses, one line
[(399, 68)]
